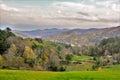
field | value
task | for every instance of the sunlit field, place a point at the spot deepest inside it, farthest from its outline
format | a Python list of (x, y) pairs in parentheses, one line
[(75, 75)]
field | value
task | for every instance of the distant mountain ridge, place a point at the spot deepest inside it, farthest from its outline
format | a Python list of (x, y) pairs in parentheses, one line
[(39, 33), (73, 36), (51, 32)]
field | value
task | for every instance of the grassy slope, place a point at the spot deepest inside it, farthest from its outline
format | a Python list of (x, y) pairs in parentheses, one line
[(80, 67), (113, 68), (81, 57), (76, 75)]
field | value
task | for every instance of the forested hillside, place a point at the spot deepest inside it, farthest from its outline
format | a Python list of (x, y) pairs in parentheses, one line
[(37, 54), (86, 36)]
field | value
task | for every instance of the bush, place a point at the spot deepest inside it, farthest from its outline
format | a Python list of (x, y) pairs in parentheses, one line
[(31, 62), (62, 68), (53, 68), (57, 68), (69, 57)]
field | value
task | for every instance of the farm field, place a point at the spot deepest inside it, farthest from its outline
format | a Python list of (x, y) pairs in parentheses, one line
[(73, 75)]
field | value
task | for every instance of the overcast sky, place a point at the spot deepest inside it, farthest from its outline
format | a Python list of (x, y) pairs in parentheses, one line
[(40, 14)]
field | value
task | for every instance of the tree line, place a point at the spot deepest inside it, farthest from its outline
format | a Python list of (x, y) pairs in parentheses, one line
[(38, 54)]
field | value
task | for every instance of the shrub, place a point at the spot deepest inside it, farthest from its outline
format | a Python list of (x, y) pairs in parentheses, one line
[(53, 68), (69, 57), (62, 68)]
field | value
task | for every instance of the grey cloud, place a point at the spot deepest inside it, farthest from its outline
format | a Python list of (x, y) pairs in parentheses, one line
[(13, 16)]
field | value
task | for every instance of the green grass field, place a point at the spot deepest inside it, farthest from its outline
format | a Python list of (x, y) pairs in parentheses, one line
[(84, 65), (75, 75), (81, 58), (111, 73), (113, 68)]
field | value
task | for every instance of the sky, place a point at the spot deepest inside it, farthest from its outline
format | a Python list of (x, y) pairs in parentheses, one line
[(40, 14)]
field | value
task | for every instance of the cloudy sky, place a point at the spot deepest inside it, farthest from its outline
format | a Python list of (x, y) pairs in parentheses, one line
[(39, 14)]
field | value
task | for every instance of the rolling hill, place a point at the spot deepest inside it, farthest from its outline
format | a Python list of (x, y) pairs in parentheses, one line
[(73, 36)]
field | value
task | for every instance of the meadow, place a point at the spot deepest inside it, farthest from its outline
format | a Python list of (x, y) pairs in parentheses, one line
[(107, 73), (73, 75), (75, 57)]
